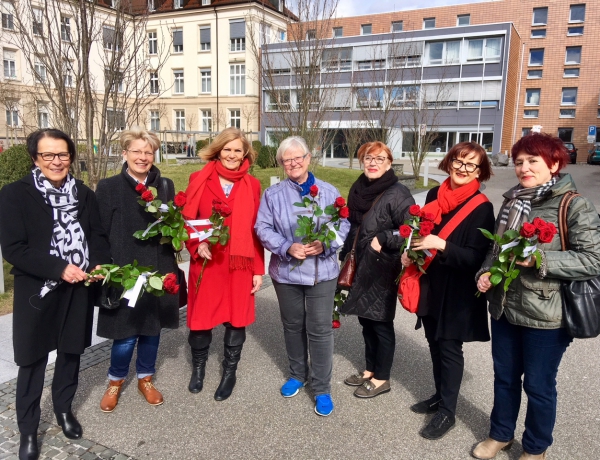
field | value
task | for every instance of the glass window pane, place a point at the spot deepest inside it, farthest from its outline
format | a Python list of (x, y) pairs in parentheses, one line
[(573, 55), (577, 13), (575, 31), (569, 96), (452, 52), (540, 16), (532, 96), (571, 73), (534, 74), (538, 33), (536, 56), (436, 51), (475, 51)]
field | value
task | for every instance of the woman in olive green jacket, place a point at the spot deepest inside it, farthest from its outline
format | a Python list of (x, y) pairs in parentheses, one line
[(528, 337)]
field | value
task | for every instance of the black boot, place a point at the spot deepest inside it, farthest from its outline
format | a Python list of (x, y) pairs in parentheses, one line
[(28, 450), (234, 340), (199, 342), (69, 424)]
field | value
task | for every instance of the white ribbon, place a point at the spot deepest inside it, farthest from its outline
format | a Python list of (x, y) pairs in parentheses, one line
[(529, 250), (201, 235), (338, 240), (150, 226), (133, 294), (161, 208), (512, 244)]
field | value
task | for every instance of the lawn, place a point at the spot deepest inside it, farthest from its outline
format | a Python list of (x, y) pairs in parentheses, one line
[(6, 299)]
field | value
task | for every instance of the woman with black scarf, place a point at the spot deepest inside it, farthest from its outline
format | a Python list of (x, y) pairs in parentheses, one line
[(378, 205)]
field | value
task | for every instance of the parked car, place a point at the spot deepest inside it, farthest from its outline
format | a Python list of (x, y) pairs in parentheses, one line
[(572, 151), (594, 156)]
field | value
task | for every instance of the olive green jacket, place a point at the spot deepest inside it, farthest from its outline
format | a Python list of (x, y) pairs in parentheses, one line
[(534, 298)]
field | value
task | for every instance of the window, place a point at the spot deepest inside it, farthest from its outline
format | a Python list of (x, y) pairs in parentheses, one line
[(404, 95), (534, 74), (152, 5), (12, 117), (279, 100), (371, 65), (338, 32), (177, 40), (235, 120), (265, 33), (206, 120), (238, 44), (540, 16), (237, 79), (205, 77), (405, 54), (573, 55), (311, 34), (538, 33), (531, 113), (577, 13), (39, 70), (567, 113), (573, 31), (569, 96), (536, 56), (282, 35), (237, 35), (598, 116), (366, 29), (10, 66), (65, 28), (397, 26), (154, 120), (178, 4), (532, 96), (337, 59), (152, 43), (463, 20), (179, 120), (369, 97), (109, 39), (115, 119), (205, 38), (178, 79), (443, 52), (571, 73), (8, 14), (429, 23), (565, 134), (153, 82), (37, 22), (113, 79), (43, 117), (525, 131), (484, 49), (68, 72), (205, 2)]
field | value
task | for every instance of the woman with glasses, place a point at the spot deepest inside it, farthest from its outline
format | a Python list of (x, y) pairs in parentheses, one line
[(304, 275), (122, 216), (448, 307), (52, 235), (378, 206), (233, 273)]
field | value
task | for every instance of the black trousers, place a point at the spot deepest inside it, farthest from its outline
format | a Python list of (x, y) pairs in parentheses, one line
[(30, 384), (448, 366), (201, 339), (380, 345)]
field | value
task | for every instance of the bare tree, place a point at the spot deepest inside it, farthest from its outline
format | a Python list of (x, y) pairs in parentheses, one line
[(249, 113)]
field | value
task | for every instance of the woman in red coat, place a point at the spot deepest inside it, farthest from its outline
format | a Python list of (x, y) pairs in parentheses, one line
[(233, 272)]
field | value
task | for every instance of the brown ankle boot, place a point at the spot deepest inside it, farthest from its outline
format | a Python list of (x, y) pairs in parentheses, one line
[(149, 391), (489, 448), (111, 395), (528, 456)]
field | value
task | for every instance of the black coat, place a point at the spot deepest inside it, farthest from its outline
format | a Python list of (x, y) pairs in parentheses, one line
[(374, 291), (62, 319), (448, 289), (122, 216)]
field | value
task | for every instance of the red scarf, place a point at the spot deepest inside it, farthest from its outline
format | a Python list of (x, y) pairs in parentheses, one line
[(448, 199), (241, 244)]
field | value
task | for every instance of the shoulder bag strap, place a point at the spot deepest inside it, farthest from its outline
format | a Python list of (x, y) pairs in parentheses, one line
[(461, 215), (563, 209)]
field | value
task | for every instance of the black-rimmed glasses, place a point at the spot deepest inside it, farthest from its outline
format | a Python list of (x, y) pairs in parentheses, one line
[(296, 160), (469, 167), (49, 156)]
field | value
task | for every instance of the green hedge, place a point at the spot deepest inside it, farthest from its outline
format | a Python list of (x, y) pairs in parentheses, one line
[(266, 157), (15, 163), (201, 144)]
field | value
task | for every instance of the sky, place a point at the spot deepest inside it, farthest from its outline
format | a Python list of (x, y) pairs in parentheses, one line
[(359, 7)]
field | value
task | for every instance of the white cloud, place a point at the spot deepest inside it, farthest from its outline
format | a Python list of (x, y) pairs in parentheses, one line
[(348, 8)]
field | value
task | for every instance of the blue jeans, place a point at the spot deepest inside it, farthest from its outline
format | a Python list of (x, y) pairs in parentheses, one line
[(122, 351), (536, 354)]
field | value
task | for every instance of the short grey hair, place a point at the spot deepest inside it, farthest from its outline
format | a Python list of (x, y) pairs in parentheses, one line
[(291, 142)]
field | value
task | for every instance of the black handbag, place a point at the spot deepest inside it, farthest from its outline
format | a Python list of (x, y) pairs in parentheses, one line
[(580, 299), (109, 297)]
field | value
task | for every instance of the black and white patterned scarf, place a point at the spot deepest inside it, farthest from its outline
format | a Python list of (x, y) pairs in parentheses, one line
[(68, 240)]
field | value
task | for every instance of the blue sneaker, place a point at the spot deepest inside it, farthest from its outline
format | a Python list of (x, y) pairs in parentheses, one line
[(323, 405), (291, 388)]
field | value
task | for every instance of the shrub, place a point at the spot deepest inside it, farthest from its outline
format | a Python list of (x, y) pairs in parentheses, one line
[(266, 157), (256, 146), (201, 144), (15, 163)]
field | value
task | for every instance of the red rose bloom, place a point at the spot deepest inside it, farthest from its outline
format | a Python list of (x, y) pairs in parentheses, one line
[(528, 230), (225, 210), (552, 227), (405, 231), (539, 223), (427, 216), (170, 284), (339, 202), (345, 212), (140, 188), (426, 228), (314, 190), (217, 206), (147, 196), (546, 235), (414, 210), (335, 324), (180, 199)]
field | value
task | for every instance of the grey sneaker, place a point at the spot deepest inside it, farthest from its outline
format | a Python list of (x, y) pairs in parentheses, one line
[(356, 380), (368, 390)]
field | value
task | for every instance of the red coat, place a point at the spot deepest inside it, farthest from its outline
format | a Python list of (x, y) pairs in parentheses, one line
[(223, 295)]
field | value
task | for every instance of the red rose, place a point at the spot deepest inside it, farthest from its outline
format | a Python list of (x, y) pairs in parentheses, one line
[(405, 231), (147, 196), (527, 230), (335, 324), (217, 206), (314, 190), (140, 188), (427, 216), (414, 210), (170, 284), (345, 212), (339, 202), (551, 226), (180, 199), (539, 223), (546, 235), (225, 210), (426, 228)]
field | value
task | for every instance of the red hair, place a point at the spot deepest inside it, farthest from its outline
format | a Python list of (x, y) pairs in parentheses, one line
[(550, 148), (373, 148)]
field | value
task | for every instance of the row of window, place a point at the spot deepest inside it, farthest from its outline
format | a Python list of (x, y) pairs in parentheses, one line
[(567, 73), (532, 96), (237, 81), (535, 113), (572, 56), (9, 61), (565, 134), (206, 121), (576, 15)]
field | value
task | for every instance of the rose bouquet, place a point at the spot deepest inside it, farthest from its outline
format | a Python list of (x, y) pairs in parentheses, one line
[(420, 223), (169, 221), (518, 246)]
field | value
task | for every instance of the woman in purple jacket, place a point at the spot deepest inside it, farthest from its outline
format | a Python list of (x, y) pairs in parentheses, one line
[(304, 275)]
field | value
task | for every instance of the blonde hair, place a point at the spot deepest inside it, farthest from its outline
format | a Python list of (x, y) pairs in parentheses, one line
[(137, 132), (212, 150)]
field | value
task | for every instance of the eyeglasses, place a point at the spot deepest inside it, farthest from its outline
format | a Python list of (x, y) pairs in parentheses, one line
[(139, 153), (379, 160), (469, 167), (297, 160), (49, 156)]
